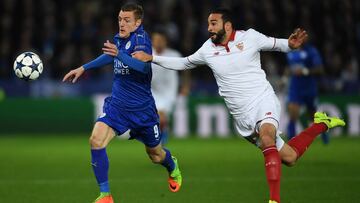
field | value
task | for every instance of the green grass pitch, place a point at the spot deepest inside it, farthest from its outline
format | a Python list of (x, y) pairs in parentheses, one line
[(56, 168)]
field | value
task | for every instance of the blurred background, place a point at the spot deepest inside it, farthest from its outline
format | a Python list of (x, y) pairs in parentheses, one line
[(45, 124)]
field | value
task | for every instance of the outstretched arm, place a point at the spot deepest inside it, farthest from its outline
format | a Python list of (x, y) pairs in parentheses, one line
[(172, 63), (100, 61), (295, 40)]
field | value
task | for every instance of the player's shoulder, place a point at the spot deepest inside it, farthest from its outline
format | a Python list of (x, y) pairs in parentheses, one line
[(251, 32), (141, 36)]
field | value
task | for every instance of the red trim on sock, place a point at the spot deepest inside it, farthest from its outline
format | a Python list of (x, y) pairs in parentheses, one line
[(273, 171), (302, 141)]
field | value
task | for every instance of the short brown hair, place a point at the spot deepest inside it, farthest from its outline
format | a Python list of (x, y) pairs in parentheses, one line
[(136, 8)]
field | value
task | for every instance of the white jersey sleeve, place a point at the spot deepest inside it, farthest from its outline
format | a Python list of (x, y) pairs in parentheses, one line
[(177, 63), (266, 43)]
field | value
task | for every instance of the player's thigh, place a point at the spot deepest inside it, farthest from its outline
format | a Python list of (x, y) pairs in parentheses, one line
[(288, 155), (101, 135)]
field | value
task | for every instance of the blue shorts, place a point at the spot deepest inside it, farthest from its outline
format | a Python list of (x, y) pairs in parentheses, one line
[(143, 125)]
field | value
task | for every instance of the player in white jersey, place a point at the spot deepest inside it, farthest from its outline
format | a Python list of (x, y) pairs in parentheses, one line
[(234, 58), (165, 82)]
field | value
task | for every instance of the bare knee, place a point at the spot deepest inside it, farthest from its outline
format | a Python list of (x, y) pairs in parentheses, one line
[(101, 135), (267, 135), (97, 141), (267, 141)]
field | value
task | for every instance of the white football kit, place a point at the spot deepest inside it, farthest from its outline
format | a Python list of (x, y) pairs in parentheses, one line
[(242, 83), (164, 83)]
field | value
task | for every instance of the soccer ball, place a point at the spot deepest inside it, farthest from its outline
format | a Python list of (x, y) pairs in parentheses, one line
[(28, 66)]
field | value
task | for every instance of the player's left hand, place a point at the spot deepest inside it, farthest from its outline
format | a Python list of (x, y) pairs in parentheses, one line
[(110, 49), (297, 38)]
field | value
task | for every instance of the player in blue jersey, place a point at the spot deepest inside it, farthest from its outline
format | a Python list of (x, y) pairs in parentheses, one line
[(305, 66), (131, 104)]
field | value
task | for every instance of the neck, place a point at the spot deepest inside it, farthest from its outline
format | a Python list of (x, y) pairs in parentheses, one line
[(227, 36)]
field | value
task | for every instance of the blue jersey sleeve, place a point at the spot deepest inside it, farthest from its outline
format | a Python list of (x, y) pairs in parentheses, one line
[(142, 43), (134, 63), (100, 61)]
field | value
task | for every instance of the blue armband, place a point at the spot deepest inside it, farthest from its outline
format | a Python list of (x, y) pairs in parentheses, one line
[(100, 61), (134, 63)]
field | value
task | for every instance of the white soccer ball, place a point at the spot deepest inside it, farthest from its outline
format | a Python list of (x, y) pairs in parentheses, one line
[(28, 66)]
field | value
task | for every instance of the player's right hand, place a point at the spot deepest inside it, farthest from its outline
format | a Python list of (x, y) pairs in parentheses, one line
[(73, 75)]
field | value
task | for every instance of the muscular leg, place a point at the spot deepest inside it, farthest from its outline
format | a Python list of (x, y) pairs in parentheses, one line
[(160, 155), (297, 146), (267, 135), (288, 155), (100, 137), (294, 113)]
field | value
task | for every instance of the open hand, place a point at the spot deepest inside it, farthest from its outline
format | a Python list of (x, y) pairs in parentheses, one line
[(73, 75), (297, 38), (142, 56)]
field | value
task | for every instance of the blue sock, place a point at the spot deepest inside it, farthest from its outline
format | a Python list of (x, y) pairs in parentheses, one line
[(291, 129), (100, 165), (168, 162)]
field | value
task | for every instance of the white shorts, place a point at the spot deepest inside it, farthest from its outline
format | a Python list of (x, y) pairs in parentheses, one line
[(267, 110)]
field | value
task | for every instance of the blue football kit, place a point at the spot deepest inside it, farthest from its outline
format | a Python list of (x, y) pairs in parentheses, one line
[(131, 104), (303, 89)]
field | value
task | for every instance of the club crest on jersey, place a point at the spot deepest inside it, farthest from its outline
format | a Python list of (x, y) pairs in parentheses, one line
[(128, 44), (240, 46)]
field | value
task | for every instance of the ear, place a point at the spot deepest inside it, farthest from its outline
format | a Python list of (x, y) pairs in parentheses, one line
[(228, 26), (138, 22)]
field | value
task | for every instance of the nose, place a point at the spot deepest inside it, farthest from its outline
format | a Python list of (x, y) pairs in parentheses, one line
[(209, 28)]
